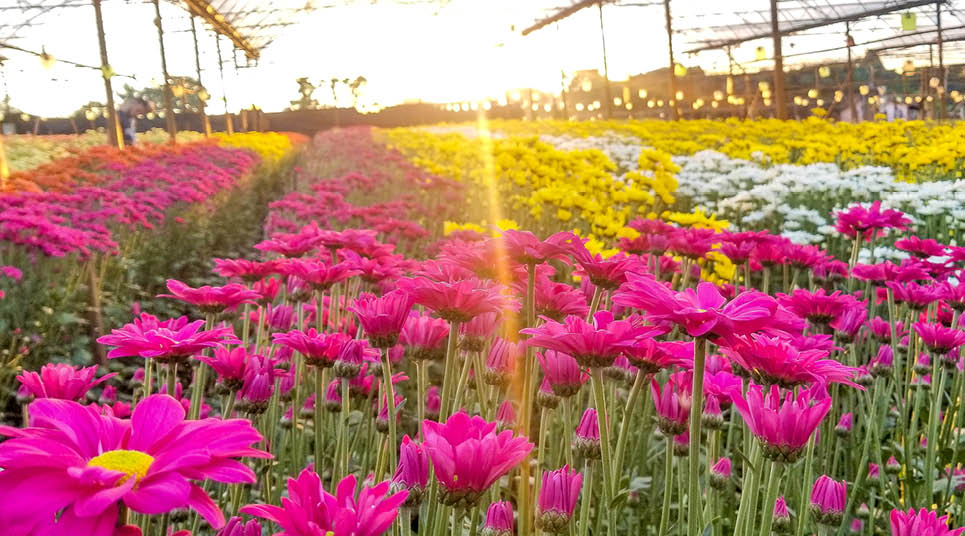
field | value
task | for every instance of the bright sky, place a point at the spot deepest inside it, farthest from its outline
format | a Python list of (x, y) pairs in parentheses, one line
[(462, 51)]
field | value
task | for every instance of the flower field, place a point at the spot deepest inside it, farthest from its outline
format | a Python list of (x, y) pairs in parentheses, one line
[(726, 328)]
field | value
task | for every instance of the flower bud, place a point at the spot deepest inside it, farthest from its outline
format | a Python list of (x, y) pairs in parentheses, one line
[(782, 517), (720, 474), (586, 441), (892, 466), (843, 428), (499, 520)]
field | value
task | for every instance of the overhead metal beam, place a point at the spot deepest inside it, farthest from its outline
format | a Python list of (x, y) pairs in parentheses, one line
[(564, 13), (217, 20), (810, 25)]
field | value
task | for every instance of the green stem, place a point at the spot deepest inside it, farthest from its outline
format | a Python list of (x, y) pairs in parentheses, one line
[(390, 395), (172, 377), (448, 370), (601, 418), (695, 521), (197, 391), (317, 419), (588, 481), (667, 488), (803, 496), (770, 497), (625, 425)]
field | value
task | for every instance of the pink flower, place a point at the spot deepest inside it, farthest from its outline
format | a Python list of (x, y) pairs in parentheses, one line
[(237, 527), (783, 428), (672, 404), (921, 247), (458, 301), (557, 499), (593, 345), (250, 271), (701, 312), (917, 296), (311, 511), (84, 463), (292, 245), (382, 318), (720, 473), (212, 299), (586, 440), (558, 300), (562, 372), (843, 428), (828, 498), (818, 307), (316, 273), (868, 222), (62, 381), (424, 336), (229, 364), (939, 339), (468, 456), (652, 356), (319, 349), (170, 340), (921, 523), (501, 362), (499, 519), (777, 361), (412, 473), (525, 248)]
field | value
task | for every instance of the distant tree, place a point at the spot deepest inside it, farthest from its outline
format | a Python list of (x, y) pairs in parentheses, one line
[(355, 86), (305, 90)]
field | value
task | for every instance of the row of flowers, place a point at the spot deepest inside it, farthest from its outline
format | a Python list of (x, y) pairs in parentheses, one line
[(86, 251), (26, 152), (503, 382), (915, 150)]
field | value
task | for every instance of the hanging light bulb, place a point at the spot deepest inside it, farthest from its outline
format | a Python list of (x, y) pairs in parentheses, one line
[(679, 95), (813, 93), (587, 86), (824, 71), (933, 82), (679, 70), (863, 89), (47, 60), (718, 95), (642, 93)]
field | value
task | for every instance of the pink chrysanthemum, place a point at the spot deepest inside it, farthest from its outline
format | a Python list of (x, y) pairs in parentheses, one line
[(311, 511), (84, 464), (468, 455), (782, 427), (62, 381)]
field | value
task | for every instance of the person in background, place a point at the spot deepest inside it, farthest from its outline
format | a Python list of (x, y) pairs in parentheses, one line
[(127, 115)]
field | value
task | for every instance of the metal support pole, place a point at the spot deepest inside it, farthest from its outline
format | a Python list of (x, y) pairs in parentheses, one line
[(780, 97), (674, 110), (849, 80), (205, 124), (941, 64), (229, 126), (168, 97), (115, 136), (606, 72)]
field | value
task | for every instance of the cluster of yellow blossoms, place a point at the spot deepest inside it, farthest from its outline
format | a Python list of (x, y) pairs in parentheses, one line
[(544, 188), (916, 150), (270, 146)]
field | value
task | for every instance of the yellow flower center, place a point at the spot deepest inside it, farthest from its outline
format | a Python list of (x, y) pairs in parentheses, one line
[(130, 462)]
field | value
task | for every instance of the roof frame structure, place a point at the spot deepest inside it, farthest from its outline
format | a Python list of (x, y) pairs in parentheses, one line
[(882, 8)]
